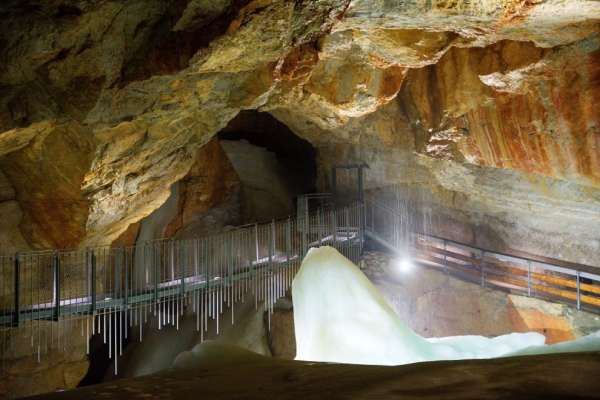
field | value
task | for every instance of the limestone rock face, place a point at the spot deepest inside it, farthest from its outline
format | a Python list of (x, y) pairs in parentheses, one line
[(208, 199), (472, 82), (181, 112), (46, 175), (62, 364), (505, 106)]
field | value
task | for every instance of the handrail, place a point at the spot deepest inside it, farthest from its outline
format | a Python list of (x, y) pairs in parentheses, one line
[(522, 255), (536, 277), (104, 287)]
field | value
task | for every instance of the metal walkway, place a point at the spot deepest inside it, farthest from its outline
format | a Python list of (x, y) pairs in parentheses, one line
[(389, 224), (112, 291), (47, 295)]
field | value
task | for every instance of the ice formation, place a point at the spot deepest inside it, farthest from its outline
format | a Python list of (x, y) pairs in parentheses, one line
[(340, 316)]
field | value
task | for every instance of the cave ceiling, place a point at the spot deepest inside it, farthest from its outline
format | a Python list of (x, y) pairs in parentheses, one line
[(112, 99)]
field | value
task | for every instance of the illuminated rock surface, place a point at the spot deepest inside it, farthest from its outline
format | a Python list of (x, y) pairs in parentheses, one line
[(339, 316)]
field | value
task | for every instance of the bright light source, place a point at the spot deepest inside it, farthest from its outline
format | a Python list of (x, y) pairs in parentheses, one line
[(404, 265)]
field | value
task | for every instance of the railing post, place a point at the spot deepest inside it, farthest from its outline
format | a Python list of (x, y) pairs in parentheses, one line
[(256, 251), (56, 272), (333, 217), (320, 224), (126, 284), (17, 313), (578, 290), (373, 217), (93, 282), (482, 267), (362, 222), (445, 256), (529, 278), (118, 274), (271, 243), (155, 273), (288, 237), (305, 227), (182, 263)]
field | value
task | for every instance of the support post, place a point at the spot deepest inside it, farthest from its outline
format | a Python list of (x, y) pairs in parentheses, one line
[(305, 227), (362, 212), (17, 313), (256, 243), (93, 283), (155, 272), (288, 237), (182, 268), (118, 275), (578, 290), (126, 279), (529, 278), (333, 217), (482, 268), (56, 272), (445, 256)]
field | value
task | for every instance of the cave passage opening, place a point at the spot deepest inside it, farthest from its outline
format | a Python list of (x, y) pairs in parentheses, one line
[(273, 163)]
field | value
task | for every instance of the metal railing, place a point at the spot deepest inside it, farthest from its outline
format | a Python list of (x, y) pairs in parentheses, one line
[(112, 291), (540, 277)]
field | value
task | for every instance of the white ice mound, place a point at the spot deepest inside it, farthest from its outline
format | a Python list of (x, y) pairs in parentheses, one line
[(339, 316)]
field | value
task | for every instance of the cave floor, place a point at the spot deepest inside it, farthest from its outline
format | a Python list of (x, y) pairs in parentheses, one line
[(243, 375)]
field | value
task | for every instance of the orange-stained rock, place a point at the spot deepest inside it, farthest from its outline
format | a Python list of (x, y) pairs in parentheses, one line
[(555, 328), (208, 185), (128, 238), (47, 175), (513, 106)]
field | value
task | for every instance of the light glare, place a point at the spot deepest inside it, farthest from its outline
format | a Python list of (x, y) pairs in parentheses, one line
[(404, 265)]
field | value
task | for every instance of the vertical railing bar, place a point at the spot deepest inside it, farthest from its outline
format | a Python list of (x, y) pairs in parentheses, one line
[(126, 284), (17, 274), (577, 274), (56, 269), (93, 283), (482, 267), (529, 278)]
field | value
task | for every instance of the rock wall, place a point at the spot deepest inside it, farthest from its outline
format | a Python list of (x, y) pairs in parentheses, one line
[(503, 86), (206, 200), (10, 212)]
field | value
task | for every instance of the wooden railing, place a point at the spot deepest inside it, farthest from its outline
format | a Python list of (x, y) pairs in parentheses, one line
[(536, 276)]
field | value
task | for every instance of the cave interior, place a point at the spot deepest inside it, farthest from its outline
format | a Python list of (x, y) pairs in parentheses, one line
[(157, 153)]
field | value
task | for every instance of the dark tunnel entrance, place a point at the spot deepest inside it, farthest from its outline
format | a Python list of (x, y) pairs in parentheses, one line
[(273, 163)]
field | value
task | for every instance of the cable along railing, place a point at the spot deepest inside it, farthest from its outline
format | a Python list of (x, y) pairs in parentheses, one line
[(392, 221), (112, 291)]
